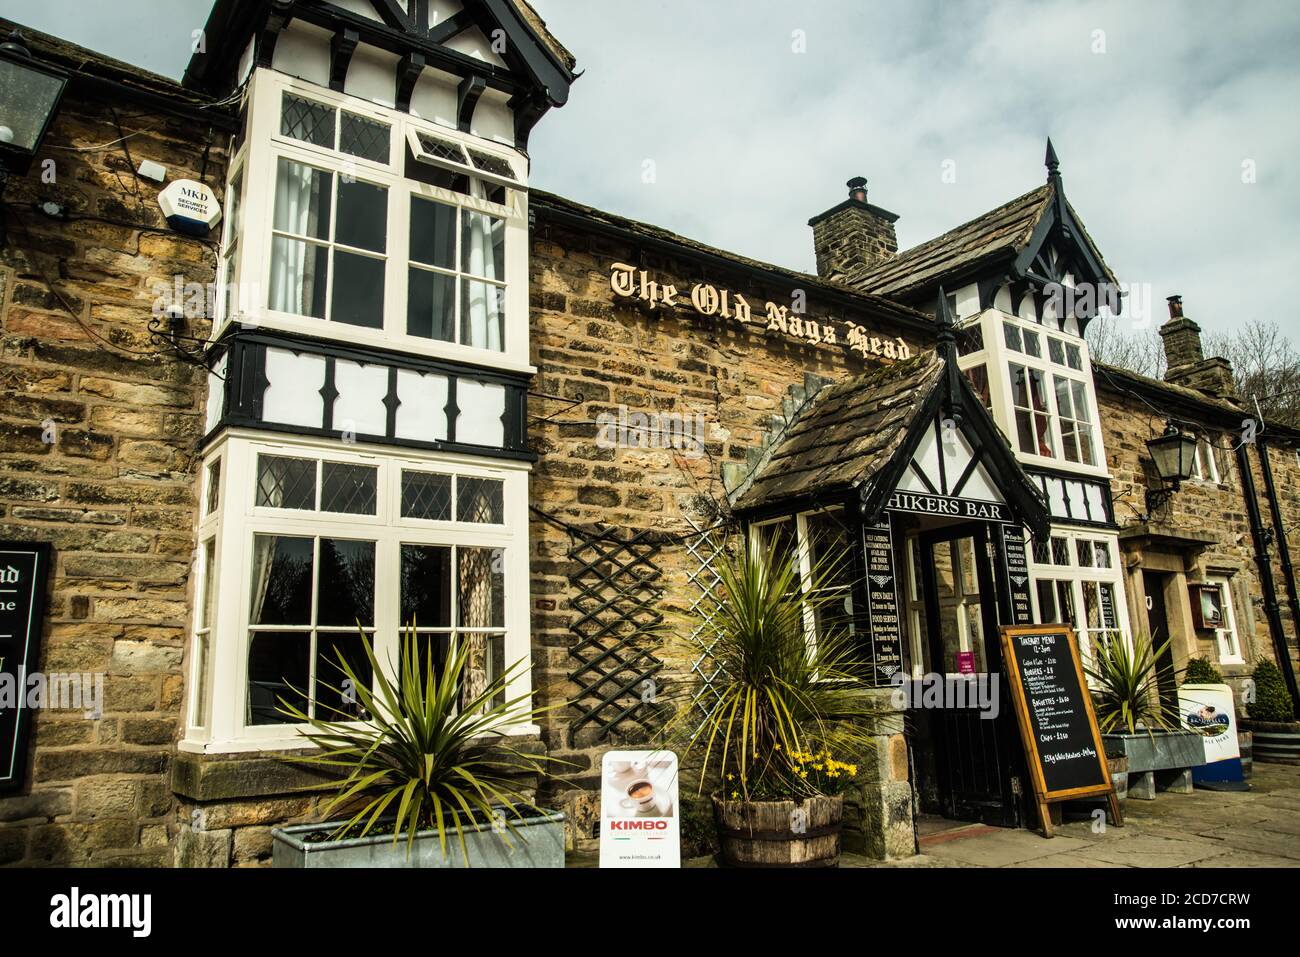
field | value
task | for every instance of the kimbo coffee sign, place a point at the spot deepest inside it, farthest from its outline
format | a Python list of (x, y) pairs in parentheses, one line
[(24, 568), (640, 820)]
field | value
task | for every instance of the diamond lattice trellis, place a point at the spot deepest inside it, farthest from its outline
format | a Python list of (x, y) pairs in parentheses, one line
[(617, 592), (705, 548)]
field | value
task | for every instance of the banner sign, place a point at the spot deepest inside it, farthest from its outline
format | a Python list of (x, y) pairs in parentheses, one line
[(1017, 569), (882, 603), (640, 819), (1209, 711), (24, 568)]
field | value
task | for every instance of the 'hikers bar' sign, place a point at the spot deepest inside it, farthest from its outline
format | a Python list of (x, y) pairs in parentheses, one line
[(24, 567)]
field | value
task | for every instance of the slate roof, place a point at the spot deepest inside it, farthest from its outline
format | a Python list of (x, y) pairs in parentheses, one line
[(845, 434), (1001, 231)]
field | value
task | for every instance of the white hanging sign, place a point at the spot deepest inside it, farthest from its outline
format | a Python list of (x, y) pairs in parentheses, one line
[(190, 207), (640, 819)]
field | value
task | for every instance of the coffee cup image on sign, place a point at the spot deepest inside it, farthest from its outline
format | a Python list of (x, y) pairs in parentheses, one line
[(638, 789)]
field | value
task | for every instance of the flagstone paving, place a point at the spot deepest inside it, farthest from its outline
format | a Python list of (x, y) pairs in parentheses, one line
[(1257, 828)]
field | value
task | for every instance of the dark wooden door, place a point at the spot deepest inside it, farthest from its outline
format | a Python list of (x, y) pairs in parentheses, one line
[(975, 760)]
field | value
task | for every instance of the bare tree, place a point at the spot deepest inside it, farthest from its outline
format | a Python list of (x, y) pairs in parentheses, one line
[(1110, 340), (1266, 366)]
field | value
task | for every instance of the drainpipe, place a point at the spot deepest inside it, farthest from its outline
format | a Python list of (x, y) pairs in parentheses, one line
[(1261, 536), (1279, 532)]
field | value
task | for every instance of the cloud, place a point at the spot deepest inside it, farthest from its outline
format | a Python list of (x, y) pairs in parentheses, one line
[(1153, 107)]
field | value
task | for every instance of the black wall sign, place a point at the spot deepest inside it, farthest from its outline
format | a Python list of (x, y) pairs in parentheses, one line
[(1017, 571), (1054, 710), (24, 568), (882, 602)]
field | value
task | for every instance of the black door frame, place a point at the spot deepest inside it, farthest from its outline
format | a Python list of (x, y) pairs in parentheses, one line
[(955, 732)]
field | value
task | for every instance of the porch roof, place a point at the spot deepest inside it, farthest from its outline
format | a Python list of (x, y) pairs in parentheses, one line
[(844, 434)]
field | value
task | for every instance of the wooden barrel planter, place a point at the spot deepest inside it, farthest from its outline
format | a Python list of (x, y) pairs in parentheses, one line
[(1276, 742), (779, 833), (1246, 743)]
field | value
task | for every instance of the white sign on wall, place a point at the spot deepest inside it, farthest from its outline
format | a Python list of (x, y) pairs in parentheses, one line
[(640, 819), (190, 207)]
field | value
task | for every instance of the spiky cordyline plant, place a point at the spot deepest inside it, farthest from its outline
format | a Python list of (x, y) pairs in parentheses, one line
[(423, 749), (776, 694), (1126, 689)]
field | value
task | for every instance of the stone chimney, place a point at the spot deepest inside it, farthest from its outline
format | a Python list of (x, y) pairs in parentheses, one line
[(1185, 363), (854, 235)]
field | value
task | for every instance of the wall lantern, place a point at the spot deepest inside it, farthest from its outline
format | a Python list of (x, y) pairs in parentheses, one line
[(1174, 455), (29, 96)]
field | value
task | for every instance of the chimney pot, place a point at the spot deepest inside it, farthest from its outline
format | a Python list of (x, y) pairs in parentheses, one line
[(1175, 307), (858, 188)]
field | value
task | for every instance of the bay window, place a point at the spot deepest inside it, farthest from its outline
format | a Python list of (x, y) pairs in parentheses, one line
[(1077, 582), (372, 221), (315, 546)]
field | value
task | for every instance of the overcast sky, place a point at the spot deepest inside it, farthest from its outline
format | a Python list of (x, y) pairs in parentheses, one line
[(748, 117)]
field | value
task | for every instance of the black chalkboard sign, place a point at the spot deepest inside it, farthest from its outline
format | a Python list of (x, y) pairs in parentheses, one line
[(24, 568), (1054, 711)]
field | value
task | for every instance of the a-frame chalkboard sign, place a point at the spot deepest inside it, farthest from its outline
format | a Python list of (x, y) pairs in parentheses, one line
[(1058, 726)]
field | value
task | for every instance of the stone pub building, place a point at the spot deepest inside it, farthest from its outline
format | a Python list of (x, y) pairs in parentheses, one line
[(396, 383)]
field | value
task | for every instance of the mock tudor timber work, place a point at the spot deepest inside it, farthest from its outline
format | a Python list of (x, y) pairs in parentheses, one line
[(395, 383)]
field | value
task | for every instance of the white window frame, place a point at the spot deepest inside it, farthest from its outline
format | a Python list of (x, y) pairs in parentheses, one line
[(1229, 652), (803, 556), (1076, 575), (239, 519), (1205, 455), (997, 357), (258, 160)]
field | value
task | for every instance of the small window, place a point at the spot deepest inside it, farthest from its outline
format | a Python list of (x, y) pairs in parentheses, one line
[(1011, 334), (970, 339), (978, 377), (1056, 350), (1217, 613), (449, 154), (480, 500), (333, 129), (308, 121), (427, 496), (290, 483), (286, 482), (1033, 345), (1073, 357), (1205, 467), (350, 489), (213, 498)]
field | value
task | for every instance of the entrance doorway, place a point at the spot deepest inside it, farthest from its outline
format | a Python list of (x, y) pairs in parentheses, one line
[(1153, 583), (968, 761)]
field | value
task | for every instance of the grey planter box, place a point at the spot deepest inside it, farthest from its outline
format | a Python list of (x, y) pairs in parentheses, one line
[(1161, 759), (535, 842)]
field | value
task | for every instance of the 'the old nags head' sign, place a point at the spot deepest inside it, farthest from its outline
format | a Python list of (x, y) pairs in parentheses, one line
[(707, 299)]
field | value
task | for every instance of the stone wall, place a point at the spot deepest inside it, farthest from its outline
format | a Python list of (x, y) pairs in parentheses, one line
[(612, 352), (98, 426), (1215, 511)]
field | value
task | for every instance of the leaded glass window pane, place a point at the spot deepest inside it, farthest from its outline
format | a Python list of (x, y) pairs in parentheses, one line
[(308, 121), (348, 488), (480, 500), (366, 138), (286, 482), (427, 496)]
